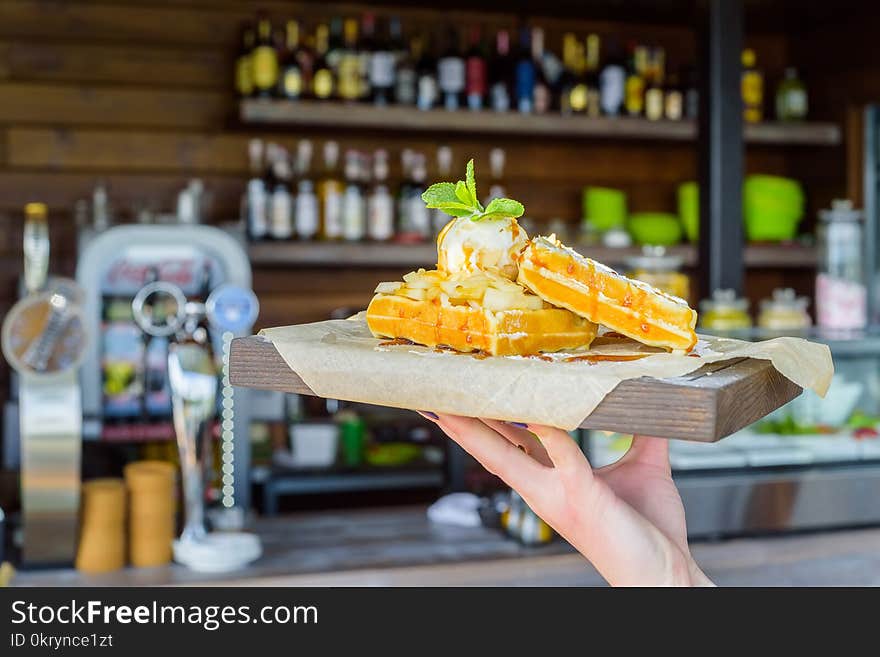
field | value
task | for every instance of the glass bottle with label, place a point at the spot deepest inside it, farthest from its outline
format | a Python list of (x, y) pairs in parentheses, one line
[(419, 215), (444, 172), (612, 81), (579, 92), (426, 85), (524, 84), (349, 75), (291, 80), (405, 82), (496, 169), (568, 78), (330, 190), (255, 202), (451, 72), (380, 205), (354, 207), (501, 71), (673, 99), (306, 216), (634, 99), (382, 70), (752, 88), (475, 71), (654, 97), (365, 49), (264, 60), (323, 82), (791, 97), (281, 203), (541, 100), (244, 77), (335, 45), (591, 73)]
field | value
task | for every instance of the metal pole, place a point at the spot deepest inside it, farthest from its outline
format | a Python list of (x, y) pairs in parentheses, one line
[(721, 148)]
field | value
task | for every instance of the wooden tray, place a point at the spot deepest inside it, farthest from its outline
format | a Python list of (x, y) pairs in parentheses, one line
[(704, 406)]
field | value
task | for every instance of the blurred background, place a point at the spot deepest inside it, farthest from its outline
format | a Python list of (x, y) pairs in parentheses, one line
[(185, 172)]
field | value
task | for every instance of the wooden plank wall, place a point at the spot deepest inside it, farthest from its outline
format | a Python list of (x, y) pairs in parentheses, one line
[(137, 94)]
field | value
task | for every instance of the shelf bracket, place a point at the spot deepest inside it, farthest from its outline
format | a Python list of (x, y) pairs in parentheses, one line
[(720, 140)]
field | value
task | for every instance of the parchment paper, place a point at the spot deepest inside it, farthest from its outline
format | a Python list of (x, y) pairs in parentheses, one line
[(340, 359)]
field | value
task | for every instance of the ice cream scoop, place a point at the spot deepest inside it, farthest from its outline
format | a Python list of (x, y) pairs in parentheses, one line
[(466, 244)]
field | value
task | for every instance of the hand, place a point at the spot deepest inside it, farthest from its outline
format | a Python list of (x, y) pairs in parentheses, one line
[(627, 519)]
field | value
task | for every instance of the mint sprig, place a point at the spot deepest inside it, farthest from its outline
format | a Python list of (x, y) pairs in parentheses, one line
[(460, 200)]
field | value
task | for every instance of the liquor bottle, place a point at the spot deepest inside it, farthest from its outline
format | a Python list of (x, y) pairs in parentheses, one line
[(264, 59), (579, 92), (330, 191), (291, 82), (404, 228), (475, 71), (444, 170), (100, 208), (634, 99), (591, 75), (501, 73), (612, 81), (380, 205), (673, 99), (691, 94), (244, 77), (541, 98), (256, 201), (419, 215), (306, 219), (568, 77), (365, 49), (397, 44), (752, 88), (654, 80), (335, 45), (405, 81), (451, 72), (349, 75), (354, 209), (791, 97), (281, 203), (426, 72), (525, 74), (496, 170), (323, 83), (382, 70)]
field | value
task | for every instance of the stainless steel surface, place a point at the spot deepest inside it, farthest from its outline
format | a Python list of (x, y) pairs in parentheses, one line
[(193, 382), (753, 501)]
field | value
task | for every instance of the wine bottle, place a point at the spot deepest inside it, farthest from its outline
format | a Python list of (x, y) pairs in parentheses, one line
[(306, 216), (541, 98), (330, 190), (426, 71), (291, 79), (525, 73), (349, 75), (451, 72), (475, 71), (380, 205), (354, 209), (382, 70), (501, 71), (405, 82), (264, 59), (323, 83), (244, 76), (612, 81)]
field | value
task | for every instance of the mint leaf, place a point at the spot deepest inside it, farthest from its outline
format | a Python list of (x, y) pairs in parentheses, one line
[(472, 183), (504, 207), (463, 194), (457, 212), (439, 193)]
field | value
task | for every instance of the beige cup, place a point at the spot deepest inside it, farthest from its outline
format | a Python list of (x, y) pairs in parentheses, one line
[(151, 518), (101, 546)]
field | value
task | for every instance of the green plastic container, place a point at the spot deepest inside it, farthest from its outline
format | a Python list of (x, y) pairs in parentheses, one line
[(773, 207), (689, 209), (604, 208), (656, 228)]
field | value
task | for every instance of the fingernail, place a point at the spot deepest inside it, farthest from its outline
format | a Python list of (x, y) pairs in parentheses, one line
[(429, 414), (521, 425)]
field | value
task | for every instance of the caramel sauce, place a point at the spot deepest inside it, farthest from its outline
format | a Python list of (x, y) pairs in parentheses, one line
[(396, 342), (596, 358), (694, 355)]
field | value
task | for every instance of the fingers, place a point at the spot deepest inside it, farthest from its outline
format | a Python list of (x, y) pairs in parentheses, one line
[(563, 451), (522, 438), (650, 451), (495, 453)]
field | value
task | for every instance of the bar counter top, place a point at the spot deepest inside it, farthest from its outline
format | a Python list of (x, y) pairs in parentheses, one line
[(399, 547)]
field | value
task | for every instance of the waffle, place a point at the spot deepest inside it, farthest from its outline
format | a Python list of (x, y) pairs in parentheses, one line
[(569, 280), (481, 312)]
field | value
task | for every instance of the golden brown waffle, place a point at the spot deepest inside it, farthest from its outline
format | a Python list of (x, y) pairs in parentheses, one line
[(565, 278), (482, 312)]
